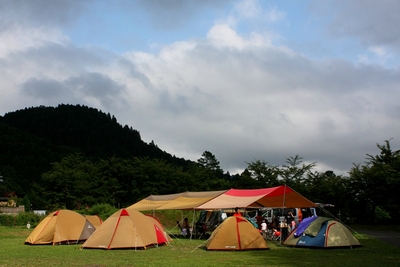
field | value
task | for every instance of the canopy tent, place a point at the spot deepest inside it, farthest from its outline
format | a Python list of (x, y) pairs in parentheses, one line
[(190, 200), (180, 201), (153, 202), (279, 196)]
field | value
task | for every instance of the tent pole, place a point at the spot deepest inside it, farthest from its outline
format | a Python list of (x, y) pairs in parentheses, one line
[(283, 206), (193, 224)]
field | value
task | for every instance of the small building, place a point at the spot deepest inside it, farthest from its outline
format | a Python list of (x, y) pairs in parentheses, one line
[(9, 206)]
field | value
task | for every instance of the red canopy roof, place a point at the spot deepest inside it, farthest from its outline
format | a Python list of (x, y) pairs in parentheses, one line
[(280, 196)]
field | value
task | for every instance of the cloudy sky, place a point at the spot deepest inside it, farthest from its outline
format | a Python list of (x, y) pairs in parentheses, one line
[(245, 80)]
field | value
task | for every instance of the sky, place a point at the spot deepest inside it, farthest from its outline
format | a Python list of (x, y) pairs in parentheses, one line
[(246, 80)]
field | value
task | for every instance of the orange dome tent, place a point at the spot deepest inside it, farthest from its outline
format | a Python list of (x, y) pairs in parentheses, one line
[(128, 228), (62, 227), (236, 233)]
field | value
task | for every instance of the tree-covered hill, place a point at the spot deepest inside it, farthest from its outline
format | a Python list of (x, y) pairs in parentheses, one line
[(92, 132), (76, 157), (24, 157), (33, 138)]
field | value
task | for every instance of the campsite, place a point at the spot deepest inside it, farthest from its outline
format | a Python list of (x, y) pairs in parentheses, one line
[(130, 237), (186, 252)]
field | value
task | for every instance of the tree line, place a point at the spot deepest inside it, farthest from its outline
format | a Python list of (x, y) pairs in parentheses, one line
[(46, 171)]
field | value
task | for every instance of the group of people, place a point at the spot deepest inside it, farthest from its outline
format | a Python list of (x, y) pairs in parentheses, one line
[(288, 225), (186, 229)]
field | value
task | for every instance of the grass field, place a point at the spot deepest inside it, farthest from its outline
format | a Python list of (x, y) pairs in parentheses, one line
[(188, 253)]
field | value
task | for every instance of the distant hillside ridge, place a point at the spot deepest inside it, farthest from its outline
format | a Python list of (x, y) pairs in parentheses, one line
[(24, 157), (92, 132)]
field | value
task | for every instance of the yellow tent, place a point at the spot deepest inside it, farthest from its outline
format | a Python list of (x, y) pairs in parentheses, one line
[(94, 219), (128, 228), (61, 227), (236, 233)]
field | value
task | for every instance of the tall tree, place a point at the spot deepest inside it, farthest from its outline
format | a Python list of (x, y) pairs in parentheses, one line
[(294, 173), (377, 184), (328, 188), (265, 174), (209, 175), (69, 183), (209, 161)]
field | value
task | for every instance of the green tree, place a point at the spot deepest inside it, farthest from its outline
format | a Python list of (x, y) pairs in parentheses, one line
[(244, 181), (376, 184), (294, 173), (69, 182), (208, 175), (265, 174), (27, 203), (328, 188), (209, 161)]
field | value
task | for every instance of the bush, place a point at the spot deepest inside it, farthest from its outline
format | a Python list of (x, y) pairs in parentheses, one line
[(381, 215), (21, 219), (102, 210)]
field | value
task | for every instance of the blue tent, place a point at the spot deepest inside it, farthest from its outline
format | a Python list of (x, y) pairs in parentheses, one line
[(321, 232)]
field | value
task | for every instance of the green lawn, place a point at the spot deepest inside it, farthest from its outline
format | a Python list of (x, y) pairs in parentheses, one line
[(188, 253)]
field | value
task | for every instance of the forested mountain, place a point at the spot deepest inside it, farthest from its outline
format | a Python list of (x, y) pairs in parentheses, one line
[(24, 157), (33, 138), (75, 157), (92, 132)]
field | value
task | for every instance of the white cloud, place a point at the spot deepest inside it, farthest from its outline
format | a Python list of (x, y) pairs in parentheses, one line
[(378, 50), (222, 35), (231, 92), (248, 8), (253, 9), (257, 101), (275, 15)]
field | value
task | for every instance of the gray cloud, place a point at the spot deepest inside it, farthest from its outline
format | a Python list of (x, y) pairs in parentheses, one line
[(172, 14), (242, 98), (99, 87), (41, 12), (45, 89), (272, 106), (88, 88), (374, 23)]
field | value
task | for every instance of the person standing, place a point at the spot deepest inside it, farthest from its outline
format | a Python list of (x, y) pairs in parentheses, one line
[(264, 228), (259, 219), (237, 212), (291, 223)]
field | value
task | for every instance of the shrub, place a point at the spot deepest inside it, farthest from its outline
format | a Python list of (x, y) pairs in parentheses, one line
[(381, 215), (21, 219), (102, 210)]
